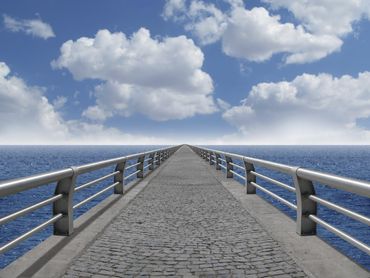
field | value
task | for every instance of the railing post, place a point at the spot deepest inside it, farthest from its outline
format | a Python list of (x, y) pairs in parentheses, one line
[(119, 188), (64, 226), (229, 166), (151, 161), (305, 206), (140, 166), (158, 158), (218, 161), (249, 177), (210, 159)]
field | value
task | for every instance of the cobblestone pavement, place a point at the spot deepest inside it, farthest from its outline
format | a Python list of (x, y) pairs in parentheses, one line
[(185, 223)]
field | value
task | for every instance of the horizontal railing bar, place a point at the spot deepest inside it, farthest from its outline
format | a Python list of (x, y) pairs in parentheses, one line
[(272, 165), (129, 176), (145, 160), (30, 209), (222, 159), (133, 165), (21, 184), (338, 182), (264, 163), (237, 166), (222, 166), (95, 181), (95, 195), (235, 173), (283, 185), (212, 160), (360, 245), (340, 209), (14, 242), (147, 166), (106, 163), (285, 202)]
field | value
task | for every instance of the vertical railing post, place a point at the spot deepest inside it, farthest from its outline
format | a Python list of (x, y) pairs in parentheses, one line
[(211, 162), (229, 167), (151, 161), (64, 226), (305, 206), (249, 177), (119, 177), (157, 158), (218, 161), (140, 166)]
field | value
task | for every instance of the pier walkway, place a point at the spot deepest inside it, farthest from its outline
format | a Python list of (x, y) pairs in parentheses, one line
[(184, 223), (181, 219)]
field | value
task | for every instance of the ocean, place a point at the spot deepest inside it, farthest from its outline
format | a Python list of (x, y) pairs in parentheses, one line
[(349, 161)]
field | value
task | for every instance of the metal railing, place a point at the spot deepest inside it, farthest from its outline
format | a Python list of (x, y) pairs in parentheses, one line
[(62, 201), (303, 179)]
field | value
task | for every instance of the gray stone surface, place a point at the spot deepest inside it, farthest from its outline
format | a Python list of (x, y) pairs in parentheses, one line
[(185, 223)]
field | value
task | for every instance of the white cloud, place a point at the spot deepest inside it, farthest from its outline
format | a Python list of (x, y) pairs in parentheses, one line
[(326, 16), (160, 78), (59, 102), (25, 110), (311, 109), (173, 9), (27, 117), (256, 35), (34, 27), (223, 104)]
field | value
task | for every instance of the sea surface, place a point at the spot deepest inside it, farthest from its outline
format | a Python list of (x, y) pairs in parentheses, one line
[(20, 161)]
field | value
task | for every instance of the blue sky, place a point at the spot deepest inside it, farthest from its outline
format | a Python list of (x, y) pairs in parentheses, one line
[(177, 71)]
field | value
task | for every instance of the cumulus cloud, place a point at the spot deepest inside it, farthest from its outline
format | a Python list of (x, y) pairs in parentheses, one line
[(59, 102), (256, 34), (160, 78), (27, 106), (311, 109), (326, 16), (27, 117), (34, 27)]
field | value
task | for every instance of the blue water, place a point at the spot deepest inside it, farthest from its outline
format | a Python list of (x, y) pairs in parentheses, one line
[(17, 161)]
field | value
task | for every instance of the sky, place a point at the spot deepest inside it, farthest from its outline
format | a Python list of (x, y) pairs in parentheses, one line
[(185, 71)]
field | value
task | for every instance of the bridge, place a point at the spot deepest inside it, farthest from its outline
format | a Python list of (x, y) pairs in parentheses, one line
[(184, 215)]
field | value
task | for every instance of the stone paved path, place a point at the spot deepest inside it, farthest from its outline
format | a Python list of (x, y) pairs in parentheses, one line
[(185, 223)]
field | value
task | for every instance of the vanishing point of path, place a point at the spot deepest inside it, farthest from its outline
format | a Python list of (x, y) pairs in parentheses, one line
[(184, 223)]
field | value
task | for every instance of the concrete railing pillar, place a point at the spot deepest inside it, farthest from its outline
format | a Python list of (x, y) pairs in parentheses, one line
[(249, 177), (218, 161), (119, 188), (140, 166), (151, 161), (211, 161), (305, 206), (229, 167), (64, 226), (157, 158)]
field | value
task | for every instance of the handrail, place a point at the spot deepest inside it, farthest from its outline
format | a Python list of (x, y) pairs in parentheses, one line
[(304, 190), (62, 201)]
